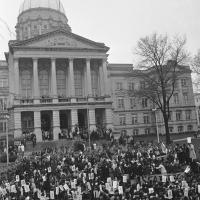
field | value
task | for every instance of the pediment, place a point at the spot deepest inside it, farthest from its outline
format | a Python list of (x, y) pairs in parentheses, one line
[(61, 40)]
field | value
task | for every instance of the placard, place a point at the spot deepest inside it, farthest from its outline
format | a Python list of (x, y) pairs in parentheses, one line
[(170, 195), (189, 140), (151, 190), (57, 190), (164, 179), (52, 195), (115, 184), (124, 179), (120, 189), (17, 178), (171, 178)]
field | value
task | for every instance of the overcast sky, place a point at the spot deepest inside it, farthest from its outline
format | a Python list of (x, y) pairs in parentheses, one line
[(119, 23)]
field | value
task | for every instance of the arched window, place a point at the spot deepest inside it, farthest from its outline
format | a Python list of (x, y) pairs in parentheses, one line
[(26, 83), (61, 82), (44, 82)]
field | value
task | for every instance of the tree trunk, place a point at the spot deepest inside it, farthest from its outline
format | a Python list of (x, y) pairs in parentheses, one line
[(167, 134)]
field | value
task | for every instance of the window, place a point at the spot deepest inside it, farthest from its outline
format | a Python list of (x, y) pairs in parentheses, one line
[(78, 83), (3, 127), (134, 119), (119, 85), (146, 119), (135, 132), (61, 82), (144, 102), (171, 129), (183, 82), (44, 82), (176, 99), (122, 120), (26, 83), (27, 123), (189, 127), (170, 116), (147, 131), (185, 97), (3, 82), (132, 103), (188, 114), (180, 129), (95, 81), (121, 103), (178, 115), (131, 86), (3, 104), (142, 84)]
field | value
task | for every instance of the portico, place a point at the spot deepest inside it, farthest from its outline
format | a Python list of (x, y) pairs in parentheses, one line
[(55, 82)]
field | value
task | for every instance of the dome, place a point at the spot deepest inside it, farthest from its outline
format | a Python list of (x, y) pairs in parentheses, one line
[(39, 17), (51, 4)]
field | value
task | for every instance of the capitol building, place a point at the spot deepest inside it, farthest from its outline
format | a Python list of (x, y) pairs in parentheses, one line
[(54, 80)]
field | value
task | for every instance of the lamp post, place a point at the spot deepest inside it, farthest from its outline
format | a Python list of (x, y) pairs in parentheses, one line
[(88, 123), (158, 138), (7, 117)]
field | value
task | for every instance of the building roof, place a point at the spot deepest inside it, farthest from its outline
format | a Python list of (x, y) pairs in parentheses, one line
[(51, 4)]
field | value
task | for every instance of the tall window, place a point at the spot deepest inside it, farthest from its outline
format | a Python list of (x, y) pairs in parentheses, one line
[(3, 127), (144, 102), (26, 83), (135, 132), (78, 83), (120, 103), (132, 103), (44, 82), (188, 114), (185, 97), (119, 86), (146, 119), (3, 82), (147, 131), (183, 82), (176, 99), (122, 120), (3, 104), (95, 81), (178, 115), (180, 129), (170, 116), (142, 85), (134, 119), (131, 86), (61, 82)]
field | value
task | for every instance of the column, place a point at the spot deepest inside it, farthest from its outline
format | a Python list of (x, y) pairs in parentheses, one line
[(53, 81), (102, 86), (16, 74), (88, 75), (105, 74), (37, 126), (35, 81), (92, 119), (56, 124), (74, 117), (109, 117), (71, 80), (17, 125)]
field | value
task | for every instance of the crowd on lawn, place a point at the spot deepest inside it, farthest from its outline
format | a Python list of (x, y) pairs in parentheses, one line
[(111, 171)]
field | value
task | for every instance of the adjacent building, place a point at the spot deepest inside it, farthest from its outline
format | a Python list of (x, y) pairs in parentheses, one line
[(55, 80)]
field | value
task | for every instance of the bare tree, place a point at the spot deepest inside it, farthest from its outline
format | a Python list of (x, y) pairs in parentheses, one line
[(159, 68)]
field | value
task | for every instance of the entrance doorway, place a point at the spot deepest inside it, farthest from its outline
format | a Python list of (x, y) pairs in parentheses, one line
[(46, 125), (82, 119), (65, 121)]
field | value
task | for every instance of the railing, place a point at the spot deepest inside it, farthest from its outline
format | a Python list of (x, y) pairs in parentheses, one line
[(81, 99), (26, 101), (63, 100), (46, 100), (99, 98)]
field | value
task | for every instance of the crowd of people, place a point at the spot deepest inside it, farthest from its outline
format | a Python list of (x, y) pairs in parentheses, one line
[(108, 171)]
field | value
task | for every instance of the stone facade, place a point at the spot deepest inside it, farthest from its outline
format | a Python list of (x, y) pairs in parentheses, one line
[(58, 80), (138, 116)]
